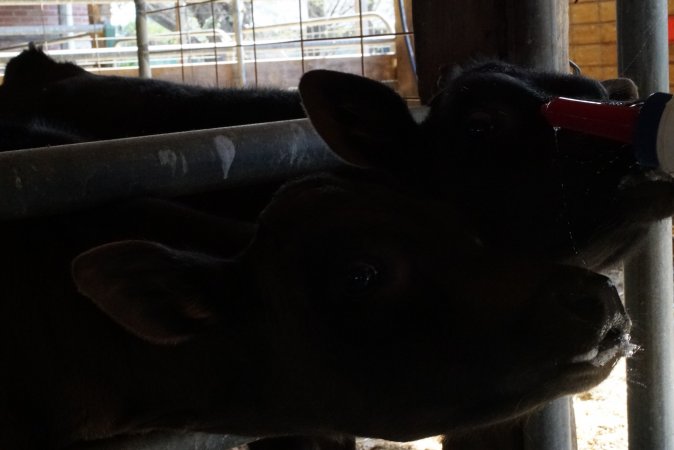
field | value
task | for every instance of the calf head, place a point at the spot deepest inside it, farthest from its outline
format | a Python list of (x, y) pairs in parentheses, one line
[(32, 70), (369, 311), (530, 189), (37, 88)]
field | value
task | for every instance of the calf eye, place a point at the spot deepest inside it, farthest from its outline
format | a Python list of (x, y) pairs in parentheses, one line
[(479, 124), (359, 278)]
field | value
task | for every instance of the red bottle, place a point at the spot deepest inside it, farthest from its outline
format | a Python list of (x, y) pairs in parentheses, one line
[(647, 125)]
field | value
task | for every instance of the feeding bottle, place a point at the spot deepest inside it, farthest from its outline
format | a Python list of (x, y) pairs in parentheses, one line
[(647, 125)]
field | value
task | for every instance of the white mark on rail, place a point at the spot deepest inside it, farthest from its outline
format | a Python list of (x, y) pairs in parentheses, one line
[(168, 158), (18, 182), (184, 161), (297, 154), (226, 151)]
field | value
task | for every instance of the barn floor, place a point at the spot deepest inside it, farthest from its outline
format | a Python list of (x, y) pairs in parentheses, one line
[(601, 414), (376, 444)]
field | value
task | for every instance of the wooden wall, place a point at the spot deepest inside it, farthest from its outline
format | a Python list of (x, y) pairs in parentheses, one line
[(592, 38)]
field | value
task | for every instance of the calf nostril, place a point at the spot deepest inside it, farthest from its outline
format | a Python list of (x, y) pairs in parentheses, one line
[(612, 337), (586, 308)]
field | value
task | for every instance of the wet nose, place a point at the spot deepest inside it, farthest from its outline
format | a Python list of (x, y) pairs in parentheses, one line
[(589, 300), (582, 304)]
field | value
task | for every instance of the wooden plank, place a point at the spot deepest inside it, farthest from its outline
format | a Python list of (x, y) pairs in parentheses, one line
[(448, 33), (528, 32)]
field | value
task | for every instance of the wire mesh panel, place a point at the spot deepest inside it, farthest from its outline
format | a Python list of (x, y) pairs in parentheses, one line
[(229, 42)]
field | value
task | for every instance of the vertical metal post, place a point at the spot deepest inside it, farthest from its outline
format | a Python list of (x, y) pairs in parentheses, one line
[(66, 18), (539, 37), (643, 56), (456, 32), (539, 34), (534, 33), (184, 29), (238, 39), (552, 428), (144, 70)]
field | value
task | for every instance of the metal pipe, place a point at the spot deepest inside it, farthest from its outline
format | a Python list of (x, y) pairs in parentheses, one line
[(177, 48), (643, 56), (17, 48), (313, 21), (181, 18), (538, 36), (66, 18), (142, 40), (552, 428), (221, 34), (63, 178), (49, 29), (238, 39), (404, 25)]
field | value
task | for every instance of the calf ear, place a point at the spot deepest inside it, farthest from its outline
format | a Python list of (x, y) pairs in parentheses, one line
[(361, 120), (621, 89), (155, 292)]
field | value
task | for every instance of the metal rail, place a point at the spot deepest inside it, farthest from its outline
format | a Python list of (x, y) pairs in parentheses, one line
[(541, 41), (176, 48), (142, 40), (227, 49), (34, 30), (63, 178), (355, 18), (643, 56), (69, 177)]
